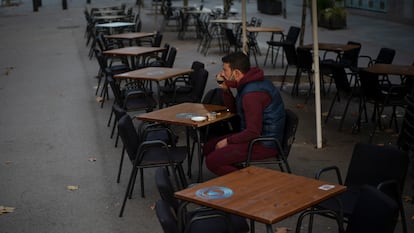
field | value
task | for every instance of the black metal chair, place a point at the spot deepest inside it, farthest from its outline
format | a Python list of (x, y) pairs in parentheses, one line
[(303, 65), (382, 167), (149, 154), (379, 93), (191, 92), (274, 45), (283, 147), (374, 212), (232, 40), (104, 71), (175, 217), (343, 65)]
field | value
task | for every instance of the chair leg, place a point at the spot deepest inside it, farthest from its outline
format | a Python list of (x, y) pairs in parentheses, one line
[(284, 77), (344, 113), (120, 165), (267, 54), (336, 97), (141, 171), (131, 179)]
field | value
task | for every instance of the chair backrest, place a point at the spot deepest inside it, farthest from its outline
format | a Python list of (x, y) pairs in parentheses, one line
[(292, 35), (373, 164), (214, 96), (166, 188), (165, 52), (196, 65), (157, 39), (129, 136), (169, 62), (374, 212), (101, 60), (291, 125), (138, 24), (370, 85), (231, 38), (290, 54), (305, 58), (198, 81), (350, 58), (385, 56), (166, 217)]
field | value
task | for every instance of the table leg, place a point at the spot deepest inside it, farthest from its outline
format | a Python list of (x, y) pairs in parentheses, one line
[(269, 228), (189, 152), (159, 95), (200, 156)]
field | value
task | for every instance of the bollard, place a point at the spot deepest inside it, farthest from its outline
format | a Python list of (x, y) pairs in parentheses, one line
[(64, 4), (39, 2), (88, 1), (35, 6)]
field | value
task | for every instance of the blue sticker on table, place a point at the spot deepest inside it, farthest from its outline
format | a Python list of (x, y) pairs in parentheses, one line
[(186, 115), (214, 192)]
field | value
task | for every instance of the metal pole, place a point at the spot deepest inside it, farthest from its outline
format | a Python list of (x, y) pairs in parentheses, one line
[(244, 34), (64, 4), (88, 1), (316, 76)]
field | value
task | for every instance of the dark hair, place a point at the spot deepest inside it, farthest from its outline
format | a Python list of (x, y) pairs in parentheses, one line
[(237, 60)]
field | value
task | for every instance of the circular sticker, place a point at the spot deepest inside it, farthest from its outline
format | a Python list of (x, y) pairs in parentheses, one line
[(214, 192), (186, 115)]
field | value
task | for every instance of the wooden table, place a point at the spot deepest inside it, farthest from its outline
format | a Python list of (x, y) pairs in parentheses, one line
[(332, 47), (261, 194), (390, 69), (180, 115), (130, 36), (113, 25), (265, 29), (156, 74), (133, 51), (224, 21), (109, 18)]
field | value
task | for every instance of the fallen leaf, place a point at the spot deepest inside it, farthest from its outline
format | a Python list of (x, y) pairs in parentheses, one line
[(99, 99), (324, 114), (8, 162), (92, 159), (152, 206), (282, 229), (5, 210), (72, 187)]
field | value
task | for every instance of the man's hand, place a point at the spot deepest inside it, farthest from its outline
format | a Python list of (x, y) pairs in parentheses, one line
[(222, 143)]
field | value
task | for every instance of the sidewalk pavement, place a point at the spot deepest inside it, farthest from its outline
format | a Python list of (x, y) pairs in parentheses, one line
[(54, 134)]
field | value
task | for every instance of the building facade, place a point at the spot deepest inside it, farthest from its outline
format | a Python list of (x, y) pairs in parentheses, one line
[(395, 10)]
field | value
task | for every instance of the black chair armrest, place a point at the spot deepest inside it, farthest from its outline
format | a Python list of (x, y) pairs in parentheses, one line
[(367, 58), (263, 139), (334, 215), (327, 169)]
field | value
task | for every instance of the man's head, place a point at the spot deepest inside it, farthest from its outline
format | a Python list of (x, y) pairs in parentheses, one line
[(235, 65)]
